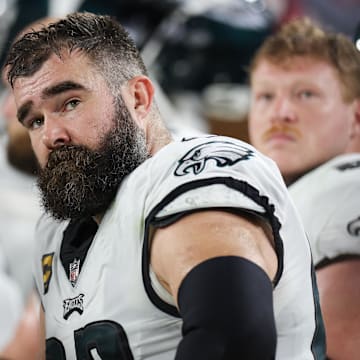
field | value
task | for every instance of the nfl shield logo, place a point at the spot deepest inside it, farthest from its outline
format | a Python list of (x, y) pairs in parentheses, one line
[(74, 271)]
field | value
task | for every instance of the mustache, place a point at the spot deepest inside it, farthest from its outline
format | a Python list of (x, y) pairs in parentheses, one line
[(68, 153), (283, 129)]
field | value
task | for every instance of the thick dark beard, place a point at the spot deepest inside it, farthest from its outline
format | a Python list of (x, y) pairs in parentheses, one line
[(78, 182)]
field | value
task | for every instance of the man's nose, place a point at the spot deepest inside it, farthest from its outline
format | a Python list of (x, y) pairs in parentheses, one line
[(283, 110), (54, 132)]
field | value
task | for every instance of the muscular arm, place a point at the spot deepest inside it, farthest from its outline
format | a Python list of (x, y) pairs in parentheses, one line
[(178, 255), (339, 291)]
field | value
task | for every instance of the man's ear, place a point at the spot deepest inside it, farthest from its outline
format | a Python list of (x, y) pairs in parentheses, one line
[(141, 93), (354, 142), (357, 118)]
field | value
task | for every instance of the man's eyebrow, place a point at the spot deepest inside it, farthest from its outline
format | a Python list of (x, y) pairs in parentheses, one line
[(24, 110), (60, 88), (47, 93)]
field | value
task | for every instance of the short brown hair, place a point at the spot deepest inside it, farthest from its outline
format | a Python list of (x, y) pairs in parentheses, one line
[(106, 43), (302, 37)]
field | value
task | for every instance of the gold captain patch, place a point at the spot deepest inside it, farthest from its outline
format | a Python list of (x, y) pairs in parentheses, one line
[(47, 261)]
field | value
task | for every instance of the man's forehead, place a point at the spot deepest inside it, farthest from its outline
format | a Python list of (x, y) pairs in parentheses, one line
[(293, 62), (56, 68)]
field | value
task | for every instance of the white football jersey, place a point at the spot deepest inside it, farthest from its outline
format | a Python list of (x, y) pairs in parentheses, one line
[(328, 200), (110, 305)]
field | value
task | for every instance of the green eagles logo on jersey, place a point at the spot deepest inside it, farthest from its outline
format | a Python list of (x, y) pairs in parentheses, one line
[(220, 153)]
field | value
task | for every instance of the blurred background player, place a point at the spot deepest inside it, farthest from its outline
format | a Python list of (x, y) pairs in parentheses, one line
[(305, 115)]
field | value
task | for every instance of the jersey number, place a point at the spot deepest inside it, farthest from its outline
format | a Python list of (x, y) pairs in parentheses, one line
[(97, 340)]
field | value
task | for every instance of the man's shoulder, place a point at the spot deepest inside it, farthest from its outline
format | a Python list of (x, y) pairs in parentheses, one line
[(340, 170), (348, 164), (329, 185), (199, 152), (206, 157), (186, 170)]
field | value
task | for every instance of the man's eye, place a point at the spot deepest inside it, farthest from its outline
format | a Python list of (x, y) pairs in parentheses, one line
[(70, 105), (35, 123), (306, 94), (265, 97)]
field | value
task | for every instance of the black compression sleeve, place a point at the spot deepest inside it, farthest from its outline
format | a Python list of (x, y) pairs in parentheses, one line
[(227, 310)]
